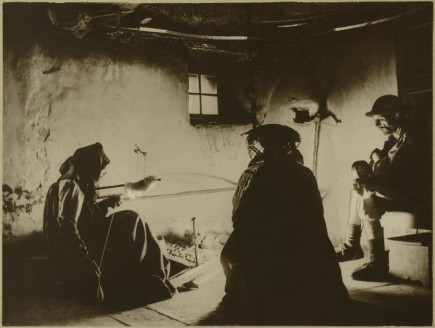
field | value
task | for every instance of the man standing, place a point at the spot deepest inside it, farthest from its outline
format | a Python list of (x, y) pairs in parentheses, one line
[(394, 180)]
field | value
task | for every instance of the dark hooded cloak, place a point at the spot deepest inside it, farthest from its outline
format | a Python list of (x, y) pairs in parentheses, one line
[(279, 262), (76, 226)]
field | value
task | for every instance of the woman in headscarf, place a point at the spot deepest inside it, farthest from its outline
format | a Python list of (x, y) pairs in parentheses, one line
[(279, 262), (126, 266)]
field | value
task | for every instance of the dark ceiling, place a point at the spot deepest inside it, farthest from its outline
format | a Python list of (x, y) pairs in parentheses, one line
[(266, 20), (220, 26)]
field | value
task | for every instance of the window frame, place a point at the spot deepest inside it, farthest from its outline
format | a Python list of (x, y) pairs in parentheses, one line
[(201, 117)]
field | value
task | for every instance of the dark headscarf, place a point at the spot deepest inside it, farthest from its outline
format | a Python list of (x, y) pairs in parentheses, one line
[(275, 134), (269, 134), (86, 164)]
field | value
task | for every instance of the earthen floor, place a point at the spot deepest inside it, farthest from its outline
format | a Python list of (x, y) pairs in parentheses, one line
[(376, 303)]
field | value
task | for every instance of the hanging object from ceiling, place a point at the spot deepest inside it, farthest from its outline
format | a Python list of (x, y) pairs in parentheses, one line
[(250, 92), (145, 21), (75, 22)]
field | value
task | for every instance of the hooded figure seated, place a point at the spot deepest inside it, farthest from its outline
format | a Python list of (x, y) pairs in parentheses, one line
[(279, 263), (124, 268)]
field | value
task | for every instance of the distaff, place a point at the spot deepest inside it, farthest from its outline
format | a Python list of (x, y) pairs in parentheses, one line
[(135, 190)]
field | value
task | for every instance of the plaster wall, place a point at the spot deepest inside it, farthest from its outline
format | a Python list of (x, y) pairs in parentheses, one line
[(55, 103), (120, 104), (355, 68)]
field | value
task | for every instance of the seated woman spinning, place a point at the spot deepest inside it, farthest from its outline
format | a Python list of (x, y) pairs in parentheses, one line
[(126, 266), (279, 262)]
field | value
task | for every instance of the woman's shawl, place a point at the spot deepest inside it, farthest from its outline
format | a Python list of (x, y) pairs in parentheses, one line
[(65, 200), (62, 209), (279, 230)]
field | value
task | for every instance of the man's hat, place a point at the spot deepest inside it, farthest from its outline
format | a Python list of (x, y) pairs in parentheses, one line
[(387, 104)]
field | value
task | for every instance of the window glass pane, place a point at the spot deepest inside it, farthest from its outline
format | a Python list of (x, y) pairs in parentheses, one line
[(193, 83), (208, 84), (194, 104), (209, 105)]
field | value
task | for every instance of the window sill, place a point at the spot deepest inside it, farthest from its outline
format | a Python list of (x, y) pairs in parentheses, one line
[(212, 120)]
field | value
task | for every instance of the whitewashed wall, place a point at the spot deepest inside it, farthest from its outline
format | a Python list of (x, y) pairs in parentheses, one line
[(120, 102)]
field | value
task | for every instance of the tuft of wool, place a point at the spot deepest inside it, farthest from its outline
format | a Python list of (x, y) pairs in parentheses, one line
[(141, 187)]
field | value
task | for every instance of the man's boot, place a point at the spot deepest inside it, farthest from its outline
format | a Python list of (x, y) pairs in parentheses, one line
[(377, 268), (351, 248)]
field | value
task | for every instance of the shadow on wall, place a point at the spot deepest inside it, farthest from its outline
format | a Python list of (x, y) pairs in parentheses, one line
[(352, 70), (22, 235), (21, 210)]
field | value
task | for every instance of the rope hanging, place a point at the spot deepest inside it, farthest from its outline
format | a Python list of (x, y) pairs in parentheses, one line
[(250, 89)]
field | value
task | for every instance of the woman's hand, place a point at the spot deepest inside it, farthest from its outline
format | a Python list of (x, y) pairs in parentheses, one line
[(113, 201), (94, 271), (93, 268)]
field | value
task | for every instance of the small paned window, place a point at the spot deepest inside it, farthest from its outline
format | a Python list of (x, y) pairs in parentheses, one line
[(203, 98)]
